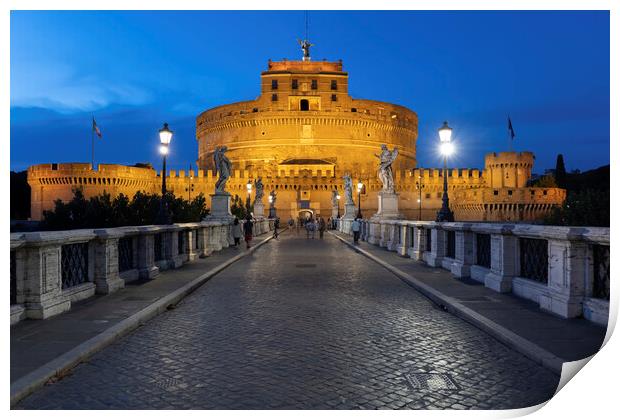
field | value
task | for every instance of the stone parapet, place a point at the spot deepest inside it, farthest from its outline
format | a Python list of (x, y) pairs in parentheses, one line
[(52, 270), (565, 270)]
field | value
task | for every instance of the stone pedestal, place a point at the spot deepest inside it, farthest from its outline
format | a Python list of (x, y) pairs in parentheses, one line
[(259, 210), (335, 213), (350, 211), (220, 208), (388, 206)]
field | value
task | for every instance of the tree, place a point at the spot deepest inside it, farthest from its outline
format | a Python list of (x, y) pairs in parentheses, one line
[(20, 196), (546, 181), (237, 208), (582, 208), (560, 172), (102, 211)]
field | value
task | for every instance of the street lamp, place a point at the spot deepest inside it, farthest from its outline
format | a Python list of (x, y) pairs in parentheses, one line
[(359, 201), (249, 188), (338, 203), (165, 137), (419, 187), (446, 149)]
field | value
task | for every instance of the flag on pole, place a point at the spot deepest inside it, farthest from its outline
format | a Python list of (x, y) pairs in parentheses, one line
[(512, 132), (96, 128)]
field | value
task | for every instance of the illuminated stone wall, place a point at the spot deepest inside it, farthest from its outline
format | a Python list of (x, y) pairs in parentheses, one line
[(301, 135)]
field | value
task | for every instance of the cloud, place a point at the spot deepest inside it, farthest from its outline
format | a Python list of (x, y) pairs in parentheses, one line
[(60, 88)]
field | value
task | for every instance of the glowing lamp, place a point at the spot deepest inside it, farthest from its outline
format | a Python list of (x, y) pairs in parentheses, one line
[(165, 135), (446, 149), (445, 133)]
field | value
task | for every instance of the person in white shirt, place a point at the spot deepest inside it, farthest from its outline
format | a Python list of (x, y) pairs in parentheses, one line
[(355, 228)]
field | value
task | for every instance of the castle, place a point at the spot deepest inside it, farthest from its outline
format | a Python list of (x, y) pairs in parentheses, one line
[(301, 135)]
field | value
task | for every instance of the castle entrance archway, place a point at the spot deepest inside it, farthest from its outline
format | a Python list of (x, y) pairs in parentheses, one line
[(305, 214)]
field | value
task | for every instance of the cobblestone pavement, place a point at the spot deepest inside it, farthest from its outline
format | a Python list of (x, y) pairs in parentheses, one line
[(303, 324)]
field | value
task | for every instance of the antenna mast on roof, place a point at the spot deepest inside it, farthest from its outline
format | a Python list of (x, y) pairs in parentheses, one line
[(305, 44)]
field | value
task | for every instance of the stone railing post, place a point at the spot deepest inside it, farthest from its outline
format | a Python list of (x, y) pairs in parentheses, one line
[(214, 241), (419, 241), (504, 258), (567, 268), (384, 233), (203, 240), (463, 250), (171, 258), (437, 252), (226, 238), (193, 244), (42, 287), (18, 261), (597, 283), (107, 279), (394, 235), (146, 252), (374, 231), (402, 247)]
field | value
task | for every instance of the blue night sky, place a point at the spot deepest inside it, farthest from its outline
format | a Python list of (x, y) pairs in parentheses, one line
[(135, 70)]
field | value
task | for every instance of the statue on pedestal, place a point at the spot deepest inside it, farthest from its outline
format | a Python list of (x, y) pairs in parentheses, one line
[(274, 197), (348, 189), (258, 184), (223, 166), (386, 176), (334, 199)]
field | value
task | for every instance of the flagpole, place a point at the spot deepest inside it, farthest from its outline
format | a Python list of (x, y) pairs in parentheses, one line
[(92, 141)]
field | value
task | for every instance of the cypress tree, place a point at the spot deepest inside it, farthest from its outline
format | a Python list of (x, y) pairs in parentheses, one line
[(560, 172)]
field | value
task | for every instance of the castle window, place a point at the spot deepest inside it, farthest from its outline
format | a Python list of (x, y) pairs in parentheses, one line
[(254, 109), (544, 192), (315, 84), (274, 97), (294, 85), (353, 109), (334, 98), (495, 192), (54, 166), (509, 192), (304, 105), (274, 85), (531, 192), (334, 85)]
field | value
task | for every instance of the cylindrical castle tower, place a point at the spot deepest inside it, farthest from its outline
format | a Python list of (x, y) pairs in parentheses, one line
[(304, 116)]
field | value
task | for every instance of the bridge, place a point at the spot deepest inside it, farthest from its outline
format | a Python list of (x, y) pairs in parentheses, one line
[(418, 315)]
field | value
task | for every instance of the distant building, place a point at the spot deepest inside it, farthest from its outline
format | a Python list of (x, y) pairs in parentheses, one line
[(301, 135)]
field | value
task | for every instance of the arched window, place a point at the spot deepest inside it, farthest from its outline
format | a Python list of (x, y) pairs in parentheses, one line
[(304, 105)]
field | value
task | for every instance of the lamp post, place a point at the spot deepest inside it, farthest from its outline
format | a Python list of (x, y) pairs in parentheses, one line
[(446, 149), (419, 187), (165, 137), (338, 204), (359, 201), (249, 188)]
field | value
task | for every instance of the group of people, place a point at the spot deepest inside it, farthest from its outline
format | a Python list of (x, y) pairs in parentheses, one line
[(313, 225), (245, 229)]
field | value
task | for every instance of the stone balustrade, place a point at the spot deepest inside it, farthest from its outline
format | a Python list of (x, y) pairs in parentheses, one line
[(565, 270), (51, 270)]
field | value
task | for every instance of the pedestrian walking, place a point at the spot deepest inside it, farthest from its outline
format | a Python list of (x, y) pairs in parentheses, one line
[(291, 222), (310, 228), (237, 230), (322, 227), (276, 226), (355, 228), (329, 223), (248, 230)]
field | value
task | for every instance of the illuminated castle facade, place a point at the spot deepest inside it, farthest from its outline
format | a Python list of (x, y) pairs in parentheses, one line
[(301, 135)]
